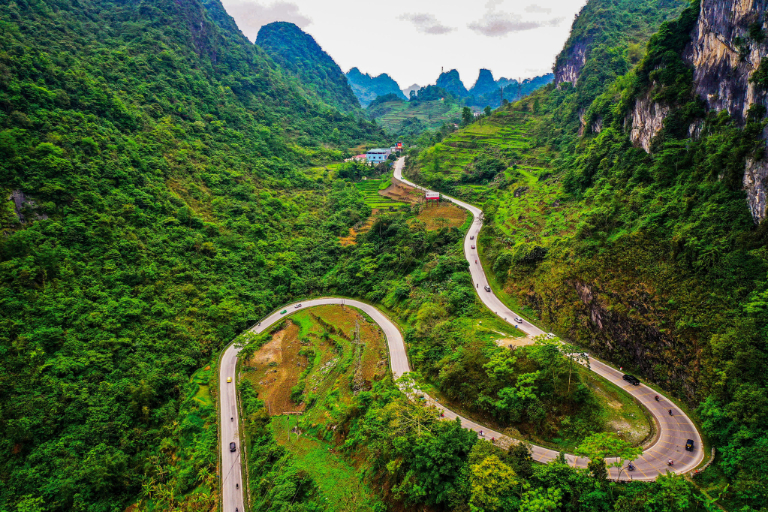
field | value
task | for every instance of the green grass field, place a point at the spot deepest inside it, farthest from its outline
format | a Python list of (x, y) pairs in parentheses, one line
[(339, 483)]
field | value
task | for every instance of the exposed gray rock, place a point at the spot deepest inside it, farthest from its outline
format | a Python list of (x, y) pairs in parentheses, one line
[(721, 71), (647, 119), (571, 68), (23, 204), (724, 57), (756, 184)]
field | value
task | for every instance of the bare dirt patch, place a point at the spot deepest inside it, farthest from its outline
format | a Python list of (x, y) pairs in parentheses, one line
[(399, 191), (515, 342), (359, 229), (275, 365), (442, 215)]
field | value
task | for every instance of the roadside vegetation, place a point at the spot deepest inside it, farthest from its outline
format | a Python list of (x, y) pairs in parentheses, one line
[(651, 260)]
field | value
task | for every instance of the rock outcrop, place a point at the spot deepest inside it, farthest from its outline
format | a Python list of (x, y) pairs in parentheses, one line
[(647, 120), (756, 185), (725, 53), (727, 46), (23, 206), (569, 65)]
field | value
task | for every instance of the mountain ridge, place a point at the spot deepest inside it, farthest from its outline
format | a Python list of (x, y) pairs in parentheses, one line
[(298, 53), (367, 88)]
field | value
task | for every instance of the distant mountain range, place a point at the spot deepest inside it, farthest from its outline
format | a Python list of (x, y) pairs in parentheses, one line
[(414, 88), (485, 91), (368, 88)]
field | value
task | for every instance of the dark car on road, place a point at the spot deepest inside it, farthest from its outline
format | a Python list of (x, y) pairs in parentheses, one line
[(632, 379), (232, 447), (689, 445)]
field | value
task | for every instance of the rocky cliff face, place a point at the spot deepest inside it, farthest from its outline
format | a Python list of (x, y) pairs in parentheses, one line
[(569, 65), (647, 119), (727, 45), (725, 50)]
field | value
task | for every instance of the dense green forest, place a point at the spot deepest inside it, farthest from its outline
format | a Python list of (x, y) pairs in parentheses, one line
[(651, 259), (173, 183), (160, 154), (297, 52)]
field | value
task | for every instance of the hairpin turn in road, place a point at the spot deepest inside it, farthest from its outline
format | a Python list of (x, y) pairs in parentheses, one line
[(674, 430)]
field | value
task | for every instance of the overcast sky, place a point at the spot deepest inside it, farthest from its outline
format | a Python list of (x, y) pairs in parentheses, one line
[(412, 39)]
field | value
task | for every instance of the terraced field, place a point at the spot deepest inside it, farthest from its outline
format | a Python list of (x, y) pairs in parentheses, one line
[(392, 115), (370, 189)]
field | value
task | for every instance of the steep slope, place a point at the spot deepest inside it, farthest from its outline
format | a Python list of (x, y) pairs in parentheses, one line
[(451, 82), (613, 23), (298, 53), (368, 88), (156, 157), (624, 212), (729, 55)]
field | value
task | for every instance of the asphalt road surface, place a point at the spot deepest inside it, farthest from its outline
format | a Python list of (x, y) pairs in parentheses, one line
[(672, 430)]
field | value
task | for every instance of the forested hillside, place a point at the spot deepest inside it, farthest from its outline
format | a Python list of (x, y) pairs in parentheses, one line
[(156, 157), (618, 213), (611, 24), (297, 52)]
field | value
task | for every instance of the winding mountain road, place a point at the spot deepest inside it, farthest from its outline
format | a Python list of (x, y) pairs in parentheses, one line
[(672, 430)]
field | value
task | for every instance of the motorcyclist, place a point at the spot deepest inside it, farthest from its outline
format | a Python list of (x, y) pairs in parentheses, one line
[(232, 418), (237, 486), (657, 398), (670, 412), (631, 467), (669, 462)]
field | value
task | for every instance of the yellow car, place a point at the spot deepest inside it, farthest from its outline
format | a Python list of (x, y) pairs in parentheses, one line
[(229, 379)]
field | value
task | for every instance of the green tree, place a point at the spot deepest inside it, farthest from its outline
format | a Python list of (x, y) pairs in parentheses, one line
[(467, 117), (597, 447), (541, 500), (492, 485)]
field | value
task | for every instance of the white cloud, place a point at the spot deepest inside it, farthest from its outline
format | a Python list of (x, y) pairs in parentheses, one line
[(251, 16), (370, 36), (427, 23), (498, 24), (538, 8)]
